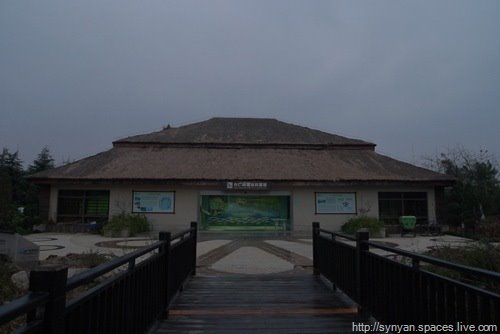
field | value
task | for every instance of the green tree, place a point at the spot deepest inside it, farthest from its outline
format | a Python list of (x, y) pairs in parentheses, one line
[(12, 166), (44, 161), (476, 192), (12, 186), (17, 192)]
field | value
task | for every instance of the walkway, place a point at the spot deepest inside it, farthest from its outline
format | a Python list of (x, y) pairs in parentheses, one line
[(250, 284), (275, 303)]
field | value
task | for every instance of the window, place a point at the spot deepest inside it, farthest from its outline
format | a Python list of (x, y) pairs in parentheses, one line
[(392, 205), (82, 206)]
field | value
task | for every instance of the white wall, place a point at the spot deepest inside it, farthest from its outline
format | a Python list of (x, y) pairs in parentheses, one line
[(304, 208), (302, 205), (185, 206), (120, 199)]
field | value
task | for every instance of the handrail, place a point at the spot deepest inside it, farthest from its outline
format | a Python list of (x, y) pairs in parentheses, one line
[(181, 234), (432, 260), (337, 234), (89, 275), (22, 305), (160, 277), (400, 292)]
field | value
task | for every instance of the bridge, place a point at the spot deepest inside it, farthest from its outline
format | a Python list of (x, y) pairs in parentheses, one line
[(158, 290)]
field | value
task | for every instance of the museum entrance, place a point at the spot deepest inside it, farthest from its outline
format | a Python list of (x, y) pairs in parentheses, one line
[(245, 213)]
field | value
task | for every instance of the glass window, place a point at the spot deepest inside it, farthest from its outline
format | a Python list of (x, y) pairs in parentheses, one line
[(81, 206), (392, 205)]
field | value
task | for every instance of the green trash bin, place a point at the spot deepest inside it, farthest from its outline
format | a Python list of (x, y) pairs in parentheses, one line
[(408, 224)]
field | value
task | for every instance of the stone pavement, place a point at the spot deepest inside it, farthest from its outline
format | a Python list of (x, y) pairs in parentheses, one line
[(226, 253)]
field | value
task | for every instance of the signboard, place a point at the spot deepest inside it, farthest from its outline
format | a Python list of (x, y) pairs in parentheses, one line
[(336, 203), (153, 202), (247, 185)]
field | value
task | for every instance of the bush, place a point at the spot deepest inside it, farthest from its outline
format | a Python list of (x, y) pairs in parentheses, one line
[(132, 223), (8, 290), (490, 229), (354, 224), (481, 255)]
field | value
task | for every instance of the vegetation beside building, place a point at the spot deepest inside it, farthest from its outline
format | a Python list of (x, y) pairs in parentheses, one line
[(19, 197)]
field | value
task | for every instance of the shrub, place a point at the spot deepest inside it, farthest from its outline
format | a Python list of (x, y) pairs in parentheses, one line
[(132, 223), (490, 229), (481, 255), (354, 224)]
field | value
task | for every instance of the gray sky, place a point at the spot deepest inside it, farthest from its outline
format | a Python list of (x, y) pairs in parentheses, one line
[(415, 77)]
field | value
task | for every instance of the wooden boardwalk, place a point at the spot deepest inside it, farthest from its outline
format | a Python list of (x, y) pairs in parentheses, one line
[(275, 303)]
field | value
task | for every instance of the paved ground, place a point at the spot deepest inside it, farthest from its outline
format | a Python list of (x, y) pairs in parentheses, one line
[(241, 254)]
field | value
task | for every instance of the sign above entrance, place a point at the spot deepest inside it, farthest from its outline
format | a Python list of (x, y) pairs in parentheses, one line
[(247, 185)]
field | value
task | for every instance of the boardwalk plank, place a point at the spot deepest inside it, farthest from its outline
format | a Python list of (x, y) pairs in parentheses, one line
[(276, 303)]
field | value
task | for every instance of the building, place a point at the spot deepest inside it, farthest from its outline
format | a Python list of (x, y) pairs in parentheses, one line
[(240, 174)]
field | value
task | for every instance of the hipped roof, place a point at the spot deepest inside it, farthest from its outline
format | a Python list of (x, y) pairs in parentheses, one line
[(246, 131), (211, 164), (241, 149)]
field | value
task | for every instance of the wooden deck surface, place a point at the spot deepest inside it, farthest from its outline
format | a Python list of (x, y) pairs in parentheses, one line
[(275, 303)]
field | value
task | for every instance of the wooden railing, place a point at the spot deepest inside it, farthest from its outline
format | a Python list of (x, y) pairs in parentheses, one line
[(403, 292), (127, 302)]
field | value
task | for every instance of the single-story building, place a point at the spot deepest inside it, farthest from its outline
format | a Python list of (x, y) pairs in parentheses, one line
[(240, 174)]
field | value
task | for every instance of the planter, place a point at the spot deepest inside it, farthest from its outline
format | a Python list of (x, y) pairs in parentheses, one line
[(380, 233), (123, 233)]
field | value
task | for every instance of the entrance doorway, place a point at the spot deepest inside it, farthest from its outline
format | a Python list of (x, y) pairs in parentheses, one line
[(245, 213)]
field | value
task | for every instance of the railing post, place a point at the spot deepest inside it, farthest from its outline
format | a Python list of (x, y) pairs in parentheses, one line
[(163, 236), (194, 235), (362, 238), (51, 279), (165, 248), (315, 230)]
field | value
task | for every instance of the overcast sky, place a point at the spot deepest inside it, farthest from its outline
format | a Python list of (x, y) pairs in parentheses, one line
[(414, 77)]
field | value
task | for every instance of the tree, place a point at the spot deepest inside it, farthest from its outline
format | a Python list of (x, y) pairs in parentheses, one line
[(475, 194), (17, 192), (12, 186), (11, 166), (43, 162)]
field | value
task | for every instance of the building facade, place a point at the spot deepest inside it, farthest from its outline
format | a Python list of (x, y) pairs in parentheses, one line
[(240, 174)]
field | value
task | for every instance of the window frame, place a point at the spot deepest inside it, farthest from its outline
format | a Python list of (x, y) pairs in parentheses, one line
[(82, 197), (402, 200)]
